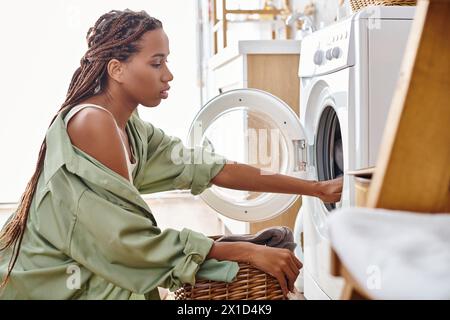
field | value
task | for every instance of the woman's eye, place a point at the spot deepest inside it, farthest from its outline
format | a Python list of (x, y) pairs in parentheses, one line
[(158, 65)]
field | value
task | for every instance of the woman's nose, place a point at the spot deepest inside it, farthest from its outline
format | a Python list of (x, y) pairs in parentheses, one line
[(168, 76)]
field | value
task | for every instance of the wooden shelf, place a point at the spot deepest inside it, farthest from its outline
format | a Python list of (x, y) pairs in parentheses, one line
[(222, 23)]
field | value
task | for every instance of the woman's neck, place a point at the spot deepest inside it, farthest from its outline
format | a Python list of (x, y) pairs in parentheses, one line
[(120, 108)]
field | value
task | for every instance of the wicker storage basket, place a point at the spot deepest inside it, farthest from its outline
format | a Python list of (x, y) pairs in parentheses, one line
[(359, 4), (250, 284)]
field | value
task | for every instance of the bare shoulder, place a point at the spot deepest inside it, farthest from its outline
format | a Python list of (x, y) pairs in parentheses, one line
[(94, 131)]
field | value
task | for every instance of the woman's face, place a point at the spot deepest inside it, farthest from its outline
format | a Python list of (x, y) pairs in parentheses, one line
[(147, 76)]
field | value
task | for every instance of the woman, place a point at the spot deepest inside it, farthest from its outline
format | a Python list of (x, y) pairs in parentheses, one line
[(82, 230)]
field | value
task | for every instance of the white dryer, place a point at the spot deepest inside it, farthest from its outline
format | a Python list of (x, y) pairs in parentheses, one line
[(348, 73)]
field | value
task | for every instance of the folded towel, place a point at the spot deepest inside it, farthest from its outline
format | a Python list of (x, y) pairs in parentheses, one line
[(279, 237), (394, 254)]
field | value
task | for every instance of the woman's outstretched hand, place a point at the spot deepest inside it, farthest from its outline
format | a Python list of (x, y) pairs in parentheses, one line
[(330, 191)]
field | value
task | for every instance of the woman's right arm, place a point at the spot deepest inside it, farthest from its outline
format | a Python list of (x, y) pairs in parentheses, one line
[(240, 176), (280, 263)]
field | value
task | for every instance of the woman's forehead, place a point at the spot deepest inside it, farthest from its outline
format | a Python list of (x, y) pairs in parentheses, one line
[(154, 43)]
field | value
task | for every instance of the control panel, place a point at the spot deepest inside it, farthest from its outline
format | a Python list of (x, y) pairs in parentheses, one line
[(327, 50)]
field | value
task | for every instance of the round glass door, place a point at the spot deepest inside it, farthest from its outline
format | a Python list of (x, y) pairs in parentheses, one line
[(252, 127), (329, 153)]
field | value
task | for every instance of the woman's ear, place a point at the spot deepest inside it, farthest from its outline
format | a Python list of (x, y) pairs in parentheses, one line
[(115, 70)]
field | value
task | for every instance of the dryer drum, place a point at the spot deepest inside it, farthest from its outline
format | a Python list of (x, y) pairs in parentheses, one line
[(329, 154)]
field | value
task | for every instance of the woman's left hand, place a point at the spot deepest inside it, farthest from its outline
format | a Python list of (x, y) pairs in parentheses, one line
[(330, 191)]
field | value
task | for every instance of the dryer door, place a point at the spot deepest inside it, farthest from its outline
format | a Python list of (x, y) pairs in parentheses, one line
[(253, 127)]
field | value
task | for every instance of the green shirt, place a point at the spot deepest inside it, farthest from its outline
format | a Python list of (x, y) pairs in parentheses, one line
[(90, 234)]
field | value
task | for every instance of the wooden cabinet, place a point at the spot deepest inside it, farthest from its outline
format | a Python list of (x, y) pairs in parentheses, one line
[(269, 65)]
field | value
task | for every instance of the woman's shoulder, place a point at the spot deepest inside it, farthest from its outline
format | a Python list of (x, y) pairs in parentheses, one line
[(94, 131), (93, 122)]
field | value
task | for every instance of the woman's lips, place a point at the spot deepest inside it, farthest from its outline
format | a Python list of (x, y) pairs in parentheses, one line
[(165, 93)]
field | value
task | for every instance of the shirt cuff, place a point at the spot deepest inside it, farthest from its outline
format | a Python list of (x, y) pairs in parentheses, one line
[(196, 248), (195, 244)]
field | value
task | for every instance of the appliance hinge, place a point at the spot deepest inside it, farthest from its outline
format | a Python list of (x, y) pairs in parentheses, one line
[(300, 154)]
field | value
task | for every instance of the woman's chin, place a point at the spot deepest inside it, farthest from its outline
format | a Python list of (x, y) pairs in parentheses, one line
[(152, 104)]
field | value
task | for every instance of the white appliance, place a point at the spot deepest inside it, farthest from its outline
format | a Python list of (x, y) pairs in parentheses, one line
[(348, 73)]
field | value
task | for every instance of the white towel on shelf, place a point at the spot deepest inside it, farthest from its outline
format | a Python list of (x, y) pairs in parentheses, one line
[(394, 254)]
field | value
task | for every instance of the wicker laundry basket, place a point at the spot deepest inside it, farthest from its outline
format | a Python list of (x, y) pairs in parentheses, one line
[(359, 4), (250, 284)]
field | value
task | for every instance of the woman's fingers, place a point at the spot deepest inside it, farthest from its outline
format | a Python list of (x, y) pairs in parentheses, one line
[(332, 198), (294, 270), (332, 190), (297, 262), (293, 267), (290, 269), (282, 281), (291, 277)]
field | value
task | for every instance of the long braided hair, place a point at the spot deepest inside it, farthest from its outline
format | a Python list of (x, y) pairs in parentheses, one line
[(115, 35)]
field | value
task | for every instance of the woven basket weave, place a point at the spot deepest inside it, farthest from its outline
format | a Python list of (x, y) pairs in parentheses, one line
[(250, 284), (359, 4)]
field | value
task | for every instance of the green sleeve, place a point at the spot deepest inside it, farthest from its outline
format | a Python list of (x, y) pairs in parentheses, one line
[(126, 249), (170, 165)]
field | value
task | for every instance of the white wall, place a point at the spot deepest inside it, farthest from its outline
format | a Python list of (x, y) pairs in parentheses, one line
[(41, 46)]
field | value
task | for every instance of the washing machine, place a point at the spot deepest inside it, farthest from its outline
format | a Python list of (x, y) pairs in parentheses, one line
[(348, 73)]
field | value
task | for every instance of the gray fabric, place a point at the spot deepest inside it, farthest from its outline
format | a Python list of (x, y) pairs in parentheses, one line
[(279, 237)]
